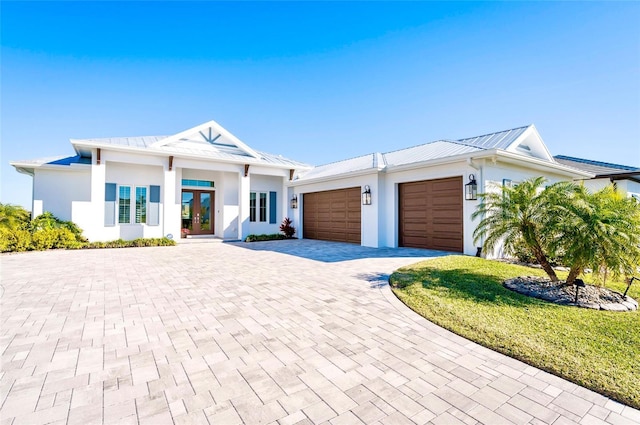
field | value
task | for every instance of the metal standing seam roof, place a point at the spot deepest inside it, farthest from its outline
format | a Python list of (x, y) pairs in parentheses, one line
[(595, 167), (56, 160), (416, 154), (351, 165), (429, 151), (499, 140), (202, 149), (133, 142)]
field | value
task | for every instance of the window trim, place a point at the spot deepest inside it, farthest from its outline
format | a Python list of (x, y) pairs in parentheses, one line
[(260, 206), (133, 204), (143, 207), (126, 206)]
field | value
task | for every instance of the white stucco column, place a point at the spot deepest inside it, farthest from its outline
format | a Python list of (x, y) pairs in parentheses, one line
[(171, 200), (98, 180), (284, 202), (244, 187), (369, 221)]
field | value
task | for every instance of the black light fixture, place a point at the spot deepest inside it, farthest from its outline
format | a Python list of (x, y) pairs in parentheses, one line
[(579, 283), (471, 189), (366, 196), (294, 202)]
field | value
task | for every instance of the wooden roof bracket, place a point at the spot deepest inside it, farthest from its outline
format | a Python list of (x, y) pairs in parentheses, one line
[(170, 162), (291, 172), (98, 157), (246, 170)]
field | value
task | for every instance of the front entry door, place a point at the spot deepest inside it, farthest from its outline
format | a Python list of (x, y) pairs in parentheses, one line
[(197, 211)]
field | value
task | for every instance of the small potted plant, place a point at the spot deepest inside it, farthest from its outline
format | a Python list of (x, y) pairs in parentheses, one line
[(185, 232)]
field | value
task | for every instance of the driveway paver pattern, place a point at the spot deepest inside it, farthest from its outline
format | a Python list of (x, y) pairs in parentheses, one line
[(274, 332)]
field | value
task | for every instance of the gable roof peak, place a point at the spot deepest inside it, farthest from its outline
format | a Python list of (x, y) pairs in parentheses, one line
[(210, 133)]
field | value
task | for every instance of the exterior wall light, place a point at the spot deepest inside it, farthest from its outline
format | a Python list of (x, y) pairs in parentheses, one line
[(366, 196), (471, 189), (294, 202)]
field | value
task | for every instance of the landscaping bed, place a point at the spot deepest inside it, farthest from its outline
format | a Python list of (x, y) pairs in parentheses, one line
[(593, 348)]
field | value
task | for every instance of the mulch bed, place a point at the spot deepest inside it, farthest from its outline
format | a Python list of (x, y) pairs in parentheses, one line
[(594, 297)]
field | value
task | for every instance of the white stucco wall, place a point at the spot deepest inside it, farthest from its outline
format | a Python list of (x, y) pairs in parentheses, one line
[(133, 175), (65, 193), (264, 184)]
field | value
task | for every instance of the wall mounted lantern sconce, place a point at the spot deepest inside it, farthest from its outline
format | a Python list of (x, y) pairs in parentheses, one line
[(294, 202), (366, 196), (471, 189)]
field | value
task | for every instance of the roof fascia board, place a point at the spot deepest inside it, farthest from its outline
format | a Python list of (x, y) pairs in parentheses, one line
[(163, 153), (45, 166), (220, 129), (341, 176), (620, 176), (535, 163), (494, 153)]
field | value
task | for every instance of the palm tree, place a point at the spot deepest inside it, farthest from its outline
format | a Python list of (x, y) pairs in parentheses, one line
[(517, 214), (598, 230), (13, 216)]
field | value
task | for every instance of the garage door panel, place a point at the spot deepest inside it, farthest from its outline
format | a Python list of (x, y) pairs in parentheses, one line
[(333, 215), (430, 214)]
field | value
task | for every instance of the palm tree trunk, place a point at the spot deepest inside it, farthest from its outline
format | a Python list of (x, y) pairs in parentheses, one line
[(544, 263), (574, 272)]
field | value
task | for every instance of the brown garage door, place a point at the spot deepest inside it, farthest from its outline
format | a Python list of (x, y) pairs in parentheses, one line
[(332, 215), (431, 214)]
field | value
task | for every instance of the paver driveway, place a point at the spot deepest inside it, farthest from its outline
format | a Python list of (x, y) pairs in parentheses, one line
[(253, 333)]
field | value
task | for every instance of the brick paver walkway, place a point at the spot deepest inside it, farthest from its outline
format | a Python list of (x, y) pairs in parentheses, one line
[(251, 333)]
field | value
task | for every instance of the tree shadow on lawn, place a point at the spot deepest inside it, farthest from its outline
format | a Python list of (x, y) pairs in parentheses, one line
[(467, 284)]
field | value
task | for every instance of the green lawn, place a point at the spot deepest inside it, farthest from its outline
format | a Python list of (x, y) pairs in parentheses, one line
[(597, 349)]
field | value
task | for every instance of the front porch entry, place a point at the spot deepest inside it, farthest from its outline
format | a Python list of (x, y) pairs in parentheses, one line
[(197, 211)]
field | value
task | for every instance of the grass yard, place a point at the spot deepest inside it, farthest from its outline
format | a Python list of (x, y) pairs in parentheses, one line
[(596, 349)]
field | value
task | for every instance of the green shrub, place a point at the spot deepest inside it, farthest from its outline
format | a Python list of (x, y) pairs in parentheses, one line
[(13, 217), (66, 238), (269, 237), (140, 242), (43, 239), (49, 221), (15, 240)]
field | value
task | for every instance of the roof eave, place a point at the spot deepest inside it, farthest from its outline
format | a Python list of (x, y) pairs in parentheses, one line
[(303, 181), (535, 163), (29, 168), (633, 176)]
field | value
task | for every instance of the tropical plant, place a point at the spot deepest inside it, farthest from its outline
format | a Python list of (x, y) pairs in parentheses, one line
[(599, 230), (13, 216), (517, 215), (47, 220), (287, 228)]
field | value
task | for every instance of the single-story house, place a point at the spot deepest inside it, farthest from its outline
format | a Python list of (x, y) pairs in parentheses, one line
[(625, 178), (207, 181)]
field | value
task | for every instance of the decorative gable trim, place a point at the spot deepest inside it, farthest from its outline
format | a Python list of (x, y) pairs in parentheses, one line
[(210, 132)]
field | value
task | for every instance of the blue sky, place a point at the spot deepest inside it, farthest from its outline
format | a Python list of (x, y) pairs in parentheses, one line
[(318, 82)]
